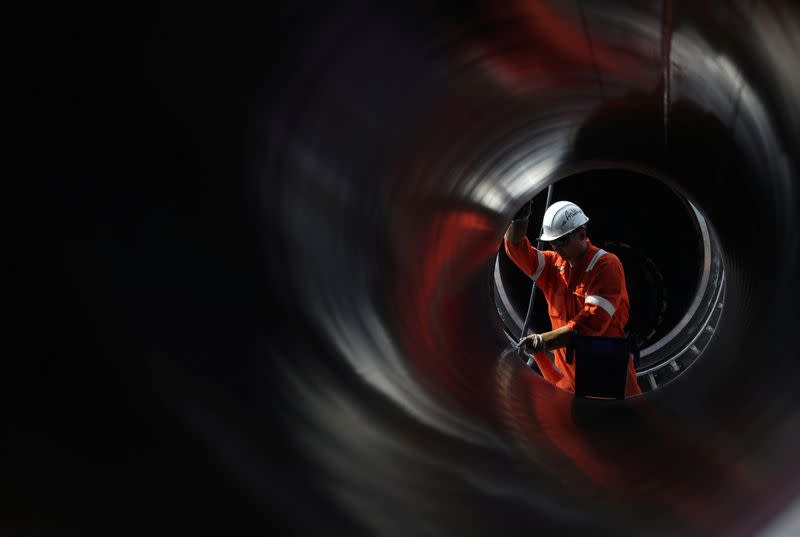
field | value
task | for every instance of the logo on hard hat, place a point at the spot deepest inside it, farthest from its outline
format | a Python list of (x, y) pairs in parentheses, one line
[(569, 213)]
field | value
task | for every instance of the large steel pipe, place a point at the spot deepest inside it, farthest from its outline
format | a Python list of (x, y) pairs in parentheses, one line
[(265, 269)]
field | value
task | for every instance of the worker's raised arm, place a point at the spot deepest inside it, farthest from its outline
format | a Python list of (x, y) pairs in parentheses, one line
[(519, 225), (604, 296), (519, 249)]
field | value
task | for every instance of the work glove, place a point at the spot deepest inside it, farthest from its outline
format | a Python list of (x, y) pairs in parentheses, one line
[(524, 213), (532, 343)]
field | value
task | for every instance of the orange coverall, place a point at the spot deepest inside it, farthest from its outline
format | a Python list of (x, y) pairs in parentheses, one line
[(590, 297)]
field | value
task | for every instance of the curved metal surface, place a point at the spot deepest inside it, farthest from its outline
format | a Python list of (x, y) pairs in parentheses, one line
[(699, 294), (703, 326), (265, 256)]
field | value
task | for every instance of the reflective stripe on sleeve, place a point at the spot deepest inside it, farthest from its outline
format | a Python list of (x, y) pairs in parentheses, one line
[(602, 302), (540, 265)]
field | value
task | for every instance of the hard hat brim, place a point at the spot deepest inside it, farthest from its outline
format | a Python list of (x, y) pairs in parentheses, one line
[(546, 237)]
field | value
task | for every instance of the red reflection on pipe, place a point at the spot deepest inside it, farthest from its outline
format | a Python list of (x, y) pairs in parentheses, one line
[(436, 306), (534, 44)]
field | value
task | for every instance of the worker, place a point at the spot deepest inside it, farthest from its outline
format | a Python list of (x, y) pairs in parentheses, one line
[(584, 287)]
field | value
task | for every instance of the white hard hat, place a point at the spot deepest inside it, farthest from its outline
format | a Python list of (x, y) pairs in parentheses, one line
[(561, 218)]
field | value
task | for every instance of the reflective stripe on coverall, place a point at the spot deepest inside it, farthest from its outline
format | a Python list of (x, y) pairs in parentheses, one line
[(589, 296)]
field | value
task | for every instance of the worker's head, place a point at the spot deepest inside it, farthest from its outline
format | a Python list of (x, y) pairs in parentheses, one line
[(564, 227), (572, 245)]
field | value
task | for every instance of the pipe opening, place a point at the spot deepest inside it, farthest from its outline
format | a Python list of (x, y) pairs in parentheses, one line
[(672, 259)]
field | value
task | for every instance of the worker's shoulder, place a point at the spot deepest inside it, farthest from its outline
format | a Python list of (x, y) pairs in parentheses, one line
[(609, 260), (609, 257)]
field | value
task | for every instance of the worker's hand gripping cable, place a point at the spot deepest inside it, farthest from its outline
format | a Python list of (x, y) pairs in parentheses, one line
[(547, 341), (531, 344)]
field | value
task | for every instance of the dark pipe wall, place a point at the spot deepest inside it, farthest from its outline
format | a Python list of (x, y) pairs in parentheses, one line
[(257, 269)]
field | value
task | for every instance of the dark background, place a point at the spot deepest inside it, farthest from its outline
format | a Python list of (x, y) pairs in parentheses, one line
[(141, 256)]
